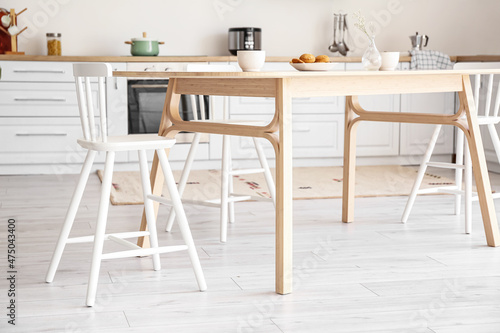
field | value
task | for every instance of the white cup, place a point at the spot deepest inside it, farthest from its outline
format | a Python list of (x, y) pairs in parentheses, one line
[(251, 60), (14, 30), (6, 21), (390, 61)]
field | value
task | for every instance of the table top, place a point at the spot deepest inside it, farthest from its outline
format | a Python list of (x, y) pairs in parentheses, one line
[(297, 74)]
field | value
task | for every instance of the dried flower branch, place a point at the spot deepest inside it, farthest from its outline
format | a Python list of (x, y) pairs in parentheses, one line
[(361, 24)]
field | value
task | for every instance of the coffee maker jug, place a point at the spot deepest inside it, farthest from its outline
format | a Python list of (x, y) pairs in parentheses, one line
[(417, 41)]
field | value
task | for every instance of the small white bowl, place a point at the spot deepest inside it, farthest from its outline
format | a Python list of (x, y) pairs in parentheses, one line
[(390, 61), (251, 60)]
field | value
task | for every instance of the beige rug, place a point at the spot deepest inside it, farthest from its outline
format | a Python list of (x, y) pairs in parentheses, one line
[(308, 183)]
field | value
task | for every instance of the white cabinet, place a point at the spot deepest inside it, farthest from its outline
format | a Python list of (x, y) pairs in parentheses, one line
[(39, 122), (416, 137), (317, 130), (39, 116), (377, 138)]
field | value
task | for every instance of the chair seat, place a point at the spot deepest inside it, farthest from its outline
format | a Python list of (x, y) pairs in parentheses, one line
[(128, 142)]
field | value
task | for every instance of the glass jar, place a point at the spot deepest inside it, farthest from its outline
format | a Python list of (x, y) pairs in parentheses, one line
[(53, 44)]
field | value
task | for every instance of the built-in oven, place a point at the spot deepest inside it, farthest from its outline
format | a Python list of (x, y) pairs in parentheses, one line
[(146, 98)]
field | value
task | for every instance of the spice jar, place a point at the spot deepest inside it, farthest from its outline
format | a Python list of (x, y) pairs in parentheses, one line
[(54, 44)]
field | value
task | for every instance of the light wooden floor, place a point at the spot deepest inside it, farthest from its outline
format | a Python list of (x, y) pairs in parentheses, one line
[(374, 275)]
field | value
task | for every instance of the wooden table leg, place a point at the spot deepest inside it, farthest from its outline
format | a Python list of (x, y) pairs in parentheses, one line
[(349, 169), (284, 209), (479, 166), (157, 180)]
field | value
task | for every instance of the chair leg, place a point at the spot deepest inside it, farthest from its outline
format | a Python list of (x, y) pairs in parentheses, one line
[(224, 188), (148, 206), (267, 171), (181, 219), (230, 182), (184, 176), (459, 172), (494, 138), (100, 228), (468, 191), (421, 174), (70, 215)]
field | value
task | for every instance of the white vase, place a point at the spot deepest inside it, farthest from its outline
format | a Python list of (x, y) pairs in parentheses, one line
[(371, 58)]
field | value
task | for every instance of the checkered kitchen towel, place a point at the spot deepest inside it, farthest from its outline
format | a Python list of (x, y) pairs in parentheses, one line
[(428, 59)]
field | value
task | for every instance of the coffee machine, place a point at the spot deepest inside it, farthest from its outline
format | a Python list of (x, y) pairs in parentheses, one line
[(244, 39)]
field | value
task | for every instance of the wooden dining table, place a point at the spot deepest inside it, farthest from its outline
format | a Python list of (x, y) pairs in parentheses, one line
[(286, 85)]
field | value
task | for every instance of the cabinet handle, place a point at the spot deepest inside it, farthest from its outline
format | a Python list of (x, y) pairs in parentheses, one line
[(27, 99), (135, 86), (41, 134), (301, 129), (39, 71)]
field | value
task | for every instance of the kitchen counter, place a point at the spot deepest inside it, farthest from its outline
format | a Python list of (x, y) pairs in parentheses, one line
[(476, 58)]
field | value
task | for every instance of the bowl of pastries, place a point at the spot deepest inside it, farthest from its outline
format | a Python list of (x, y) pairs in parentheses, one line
[(308, 62)]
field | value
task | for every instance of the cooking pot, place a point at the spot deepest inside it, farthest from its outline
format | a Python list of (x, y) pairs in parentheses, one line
[(144, 46)]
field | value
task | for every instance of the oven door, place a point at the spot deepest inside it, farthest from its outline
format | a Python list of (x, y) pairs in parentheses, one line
[(146, 99)]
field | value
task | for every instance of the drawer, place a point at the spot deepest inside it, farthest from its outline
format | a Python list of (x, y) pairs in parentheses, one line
[(37, 71), (39, 134), (40, 100), (44, 141)]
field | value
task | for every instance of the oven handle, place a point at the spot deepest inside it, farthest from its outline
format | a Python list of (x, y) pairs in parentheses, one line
[(134, 86)]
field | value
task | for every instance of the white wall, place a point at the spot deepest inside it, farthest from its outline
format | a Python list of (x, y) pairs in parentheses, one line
[(290, 27)]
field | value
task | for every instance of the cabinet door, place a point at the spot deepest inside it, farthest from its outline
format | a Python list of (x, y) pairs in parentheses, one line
[(377, 138), (416, 137), (312, 136)]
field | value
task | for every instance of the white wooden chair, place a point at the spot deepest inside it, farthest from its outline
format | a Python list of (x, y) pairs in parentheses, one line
[(98, 140), (489, 118), (228, 197)]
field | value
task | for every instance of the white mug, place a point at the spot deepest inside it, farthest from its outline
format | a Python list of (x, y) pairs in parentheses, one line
[(251, 60), (6, 21), (390, 61)]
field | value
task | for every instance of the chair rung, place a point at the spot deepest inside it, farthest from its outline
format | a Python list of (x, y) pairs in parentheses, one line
[(161, 200), (216, 202), (143, 252), (475, 197), (208, 203), (87, 239), (123, 242), (251, 197), (246, 171), (236, 198), (445, 165), (451, 191)]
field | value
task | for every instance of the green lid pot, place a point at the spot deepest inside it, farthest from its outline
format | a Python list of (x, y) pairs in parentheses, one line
[(144, 46)]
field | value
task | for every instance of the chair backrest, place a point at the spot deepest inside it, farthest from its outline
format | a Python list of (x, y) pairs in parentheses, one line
[(208, 68), (483, 91), (83, 73)]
